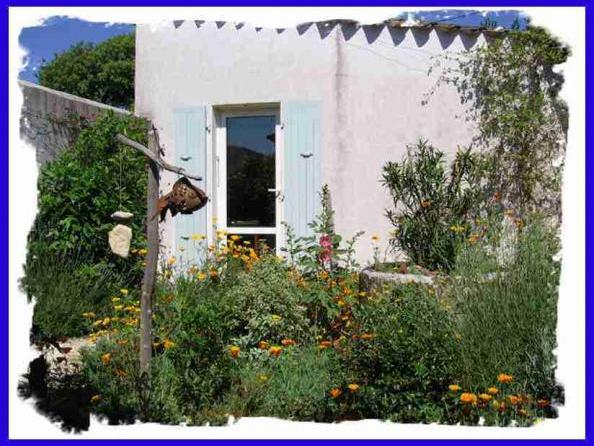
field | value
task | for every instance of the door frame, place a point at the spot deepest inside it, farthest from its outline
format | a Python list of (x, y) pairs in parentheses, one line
[(220, 168)]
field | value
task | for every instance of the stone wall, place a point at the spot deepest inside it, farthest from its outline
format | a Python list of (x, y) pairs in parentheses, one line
[(49, 118)]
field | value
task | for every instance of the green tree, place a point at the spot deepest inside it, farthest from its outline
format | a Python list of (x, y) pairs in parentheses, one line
[(512, 93), (103, 72)]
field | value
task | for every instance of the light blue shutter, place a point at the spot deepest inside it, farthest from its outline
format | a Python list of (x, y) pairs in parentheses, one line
[(190, 153), (303, 163)]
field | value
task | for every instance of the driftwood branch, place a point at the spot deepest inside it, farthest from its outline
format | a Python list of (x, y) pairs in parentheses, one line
[(154, 157)]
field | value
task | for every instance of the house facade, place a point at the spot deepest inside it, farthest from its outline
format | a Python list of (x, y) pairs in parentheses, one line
[(268, 116)]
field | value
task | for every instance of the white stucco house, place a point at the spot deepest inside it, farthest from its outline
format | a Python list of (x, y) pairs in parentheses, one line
[(267, 116)]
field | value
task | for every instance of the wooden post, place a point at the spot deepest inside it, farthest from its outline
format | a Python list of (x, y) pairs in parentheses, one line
[(152, 257), (150, 271)]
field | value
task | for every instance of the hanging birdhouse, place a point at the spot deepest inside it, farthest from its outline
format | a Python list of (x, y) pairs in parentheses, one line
[(184, 198)]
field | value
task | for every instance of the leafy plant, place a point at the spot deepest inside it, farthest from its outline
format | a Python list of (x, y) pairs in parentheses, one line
[(512, 93), (103, 72), (405, 354), (433, 206), (78, 192), (507, 319)]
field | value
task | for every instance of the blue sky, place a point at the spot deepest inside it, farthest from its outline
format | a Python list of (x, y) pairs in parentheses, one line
[(59, 33)]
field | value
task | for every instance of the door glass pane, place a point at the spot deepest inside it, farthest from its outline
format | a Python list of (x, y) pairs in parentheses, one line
[(251, 171)]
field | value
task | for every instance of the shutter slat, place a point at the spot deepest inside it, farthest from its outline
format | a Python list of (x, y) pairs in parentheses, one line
[(190, 153)]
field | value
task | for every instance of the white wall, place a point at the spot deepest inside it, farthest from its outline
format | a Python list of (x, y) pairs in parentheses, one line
[(371, 95)]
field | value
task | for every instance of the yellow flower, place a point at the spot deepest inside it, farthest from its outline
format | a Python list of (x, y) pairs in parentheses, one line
[(353, 387), (275, 318), (234, 350), (235, 237), (275, 350), (171, 261), (142, 252), (335, 392), (97, 323), (89, 315), (106, 358), (504, 378), (198, 237), (95, 398), (454, 387), (124, 291), (221, 234), (375, 238), (485, 397), (247, 242), (468, 398), (118, 307), (492, 390), (201, 276), (263, 378), (457, 228), (105, 321), (115, 299)]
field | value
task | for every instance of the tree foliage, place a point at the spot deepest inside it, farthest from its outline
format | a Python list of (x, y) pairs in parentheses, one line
[(512, 93), (103, 72)]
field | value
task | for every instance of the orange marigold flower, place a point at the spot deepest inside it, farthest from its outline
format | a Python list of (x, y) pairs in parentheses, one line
[(543, 403), (335, 392), (504, 378), (492, 390), (367, 336), (234, 350), (468, 398), (167, 344), (325, 344), (513, 400), (106, 358), (263, 345), (213, 273), (454, 387), (353, 387), (485, 397), (275, 350), (288, 342)]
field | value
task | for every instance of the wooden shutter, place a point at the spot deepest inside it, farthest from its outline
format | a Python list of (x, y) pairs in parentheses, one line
[(302, 163), (190, 153)]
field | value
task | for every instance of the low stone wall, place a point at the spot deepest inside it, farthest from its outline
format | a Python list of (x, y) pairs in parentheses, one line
[(48, 118), (375, 280)]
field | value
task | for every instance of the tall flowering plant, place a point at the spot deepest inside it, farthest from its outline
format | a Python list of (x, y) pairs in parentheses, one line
[(325, 267)]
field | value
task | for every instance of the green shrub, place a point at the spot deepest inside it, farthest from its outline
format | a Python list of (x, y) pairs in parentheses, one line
[(64, 290), (295, 385), (410, 358), (78, 192), (266, 304), (433, 206), (507, 320)]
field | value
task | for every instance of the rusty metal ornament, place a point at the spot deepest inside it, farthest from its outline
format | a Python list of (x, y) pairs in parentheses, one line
[(184, 198)]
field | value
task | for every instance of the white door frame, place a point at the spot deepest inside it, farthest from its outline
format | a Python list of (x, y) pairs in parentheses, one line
[(220, 167)]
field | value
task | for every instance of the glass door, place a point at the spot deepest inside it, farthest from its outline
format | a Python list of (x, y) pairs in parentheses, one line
[(249, 195)]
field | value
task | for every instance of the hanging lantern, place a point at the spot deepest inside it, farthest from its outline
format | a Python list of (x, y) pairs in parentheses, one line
[(184, 198)]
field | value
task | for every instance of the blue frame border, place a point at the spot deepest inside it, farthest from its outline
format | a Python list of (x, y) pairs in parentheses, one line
[(411, 3)]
